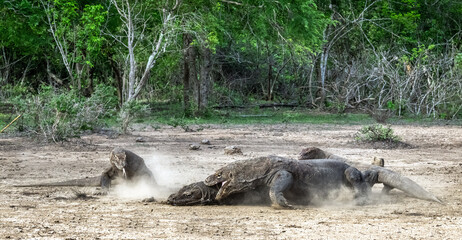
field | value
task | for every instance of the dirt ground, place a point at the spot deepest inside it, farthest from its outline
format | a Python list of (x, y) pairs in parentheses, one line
[(55, 213)]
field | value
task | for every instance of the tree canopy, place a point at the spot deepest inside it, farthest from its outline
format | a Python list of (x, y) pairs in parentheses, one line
[(404, 56)]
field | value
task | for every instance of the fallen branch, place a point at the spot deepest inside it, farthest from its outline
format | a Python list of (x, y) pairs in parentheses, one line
[(14, 120)]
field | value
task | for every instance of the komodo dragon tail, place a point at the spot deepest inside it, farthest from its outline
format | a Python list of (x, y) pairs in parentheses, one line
[(81, 182), (392, 179)]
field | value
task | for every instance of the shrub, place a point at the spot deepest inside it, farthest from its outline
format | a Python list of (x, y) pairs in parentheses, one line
[(376, 133), (57, 114)]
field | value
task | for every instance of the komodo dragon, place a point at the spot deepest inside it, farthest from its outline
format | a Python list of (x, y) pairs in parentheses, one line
[(376, 173), (124, 164), (288, 181)]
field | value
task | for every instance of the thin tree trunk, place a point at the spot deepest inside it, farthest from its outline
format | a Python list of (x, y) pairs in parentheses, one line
[(187, 39), (59, 44), (322, 67), (119, 80), (269, 79), (205, 79), (269, 91), (6, 71), (193, 74), (131, 56), (51, 75), (25, 71)]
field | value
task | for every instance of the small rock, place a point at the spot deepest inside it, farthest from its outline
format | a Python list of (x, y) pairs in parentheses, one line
[(140, 139), (230, 150), (205, 142), (151, 199), (194, 147)]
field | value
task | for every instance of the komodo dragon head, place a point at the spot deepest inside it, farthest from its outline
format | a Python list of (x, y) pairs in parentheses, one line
[(194, 194), (222, 177), (312, 153), (378, 162), (118, 158)]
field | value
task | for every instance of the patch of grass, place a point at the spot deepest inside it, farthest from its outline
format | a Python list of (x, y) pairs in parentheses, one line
[(4, 120), (173, 115)]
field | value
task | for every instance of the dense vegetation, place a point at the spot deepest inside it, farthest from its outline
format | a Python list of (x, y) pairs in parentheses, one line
[(67, 64)]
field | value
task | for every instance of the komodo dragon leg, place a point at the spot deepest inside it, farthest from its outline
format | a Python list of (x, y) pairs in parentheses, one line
[(281, 181), (361, 188), (107, 176)]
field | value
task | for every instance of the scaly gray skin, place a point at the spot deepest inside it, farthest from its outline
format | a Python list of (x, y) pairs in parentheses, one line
[(317, 153), (200, 194), (391, 179), (286, 180), (378, 174), (121, 161)]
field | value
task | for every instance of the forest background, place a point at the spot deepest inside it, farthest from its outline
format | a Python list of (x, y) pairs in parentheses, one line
[(69, 66)]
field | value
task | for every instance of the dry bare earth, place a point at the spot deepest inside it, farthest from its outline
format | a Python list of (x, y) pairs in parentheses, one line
[(435, 163)]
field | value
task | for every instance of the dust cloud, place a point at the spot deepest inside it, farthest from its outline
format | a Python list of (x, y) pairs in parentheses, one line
[(342, 196), (168, 177)]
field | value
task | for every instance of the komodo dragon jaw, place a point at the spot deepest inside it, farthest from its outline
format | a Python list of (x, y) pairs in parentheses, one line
[(219, 177), (222, 178), (237, 187), (223, 191)]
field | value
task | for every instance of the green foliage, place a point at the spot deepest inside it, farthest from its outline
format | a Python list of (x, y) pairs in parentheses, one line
[(256, 46), (57, 114), (172, 114), (227, 96), (376, 133), (90, 37), (391, 105), (336, 106), (458, 62)]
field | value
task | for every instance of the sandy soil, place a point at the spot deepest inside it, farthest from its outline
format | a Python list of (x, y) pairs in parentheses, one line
[(55, 213)]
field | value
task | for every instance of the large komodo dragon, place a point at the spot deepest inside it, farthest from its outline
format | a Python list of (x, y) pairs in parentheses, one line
[(288, 181), (124, 163), (376, 173)]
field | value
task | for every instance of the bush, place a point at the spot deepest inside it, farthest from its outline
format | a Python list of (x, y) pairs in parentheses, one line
[(376, 133), (57, 114)]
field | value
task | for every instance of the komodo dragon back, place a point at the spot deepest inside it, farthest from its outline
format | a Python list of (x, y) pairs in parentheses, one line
[(81, 182)]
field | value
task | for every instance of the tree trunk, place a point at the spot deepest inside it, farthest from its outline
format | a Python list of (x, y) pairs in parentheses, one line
[(322, 76), (119, 80), (269, 90), (322, 67), (205, 79), (187, 39), (269, 57), (193, 81)]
